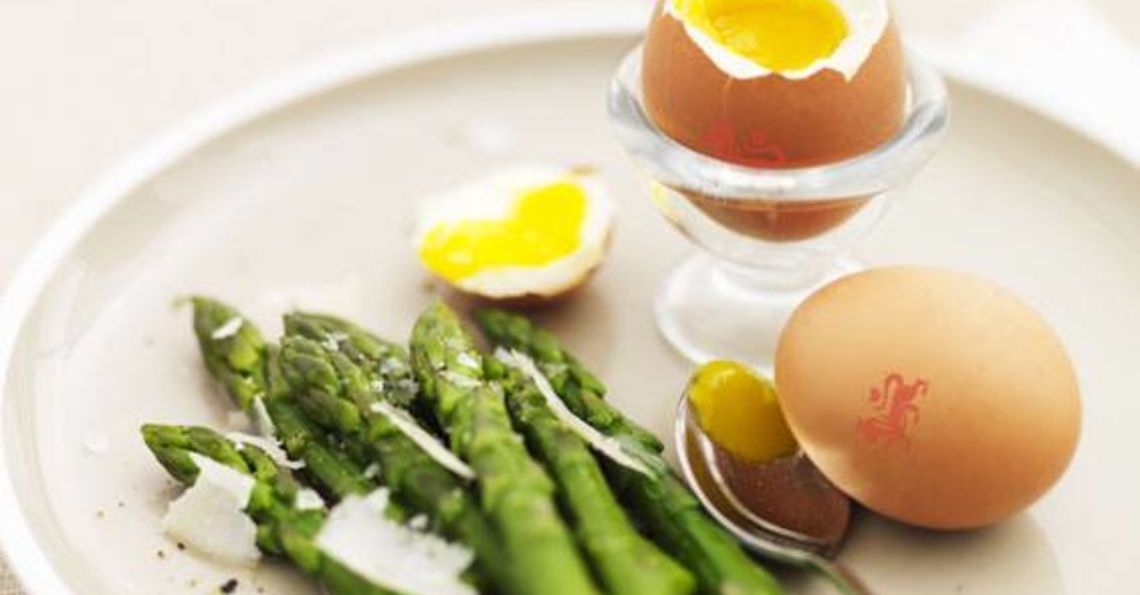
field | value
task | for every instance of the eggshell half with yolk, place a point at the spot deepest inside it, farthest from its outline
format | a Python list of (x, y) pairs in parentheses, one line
[(701, 89)]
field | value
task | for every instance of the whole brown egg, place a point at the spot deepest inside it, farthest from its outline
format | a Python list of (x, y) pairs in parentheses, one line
[(933, 397)]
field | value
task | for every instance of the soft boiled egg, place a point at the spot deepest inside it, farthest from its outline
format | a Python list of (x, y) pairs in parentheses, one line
[(532, 232), (930, 396), (775, 83), (739, 411)]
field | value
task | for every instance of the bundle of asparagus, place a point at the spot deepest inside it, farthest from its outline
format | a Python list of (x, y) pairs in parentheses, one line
[(514, 492), (317, 430), (623, 560), (237, 355), (283, 526), (318, 354), (672, 515), (486, 452)]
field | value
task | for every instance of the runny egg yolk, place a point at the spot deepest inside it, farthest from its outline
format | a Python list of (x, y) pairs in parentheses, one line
[(738, 411), (780, 35), (544, 224)]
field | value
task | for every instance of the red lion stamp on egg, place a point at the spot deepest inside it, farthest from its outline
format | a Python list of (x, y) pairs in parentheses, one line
[(896, 412), (751, 148)]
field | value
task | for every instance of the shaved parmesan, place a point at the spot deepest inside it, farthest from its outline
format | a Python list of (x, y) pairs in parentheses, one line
[(391, 365), (308, 499), (427, 442), (389, 554), (268, 445), (468, 361), (418, 522), (229, 329), (610, 447), (261, 420), (210, 515), (459, 380)]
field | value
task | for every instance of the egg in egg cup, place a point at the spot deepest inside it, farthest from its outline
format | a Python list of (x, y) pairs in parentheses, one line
[(773, 134)]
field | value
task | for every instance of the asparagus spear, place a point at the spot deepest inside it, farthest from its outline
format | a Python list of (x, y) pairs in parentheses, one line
[(515, 493), (385, 363), (663, 504), (237, 355), (582, 391), (283, 528), (625, 563), (233, 349), (252, 373), (322, 374)]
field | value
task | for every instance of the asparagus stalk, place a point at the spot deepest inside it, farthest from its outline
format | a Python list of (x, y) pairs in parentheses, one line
[(672, 515), (384, 362), (283, 528), (515, 493), (624, 561), (323, 374), (583, 392), (237, 355)]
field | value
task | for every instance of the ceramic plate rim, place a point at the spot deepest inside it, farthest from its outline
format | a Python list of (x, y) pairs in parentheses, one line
[(24, 552)]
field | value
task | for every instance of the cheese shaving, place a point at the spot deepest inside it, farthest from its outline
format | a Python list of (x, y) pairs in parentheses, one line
[(468, 361), (460, 380), (210, 515), (229, 329), (427, 442), (418, 522), (610, 447), (261, 420), (308, 499), (270, 446), (389, 554)]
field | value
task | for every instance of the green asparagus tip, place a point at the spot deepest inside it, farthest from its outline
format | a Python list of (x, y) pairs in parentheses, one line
[(172, 446), (233, 349)]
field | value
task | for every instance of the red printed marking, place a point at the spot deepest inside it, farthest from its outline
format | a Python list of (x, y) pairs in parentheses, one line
[(751, 148), (896, 412)]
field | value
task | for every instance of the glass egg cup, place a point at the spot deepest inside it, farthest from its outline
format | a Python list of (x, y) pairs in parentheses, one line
[(769, 237)]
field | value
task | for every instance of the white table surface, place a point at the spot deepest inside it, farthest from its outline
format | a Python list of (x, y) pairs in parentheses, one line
[(83, 82)]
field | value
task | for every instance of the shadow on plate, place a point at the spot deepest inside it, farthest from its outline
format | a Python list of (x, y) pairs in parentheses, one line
[(1011, 558)]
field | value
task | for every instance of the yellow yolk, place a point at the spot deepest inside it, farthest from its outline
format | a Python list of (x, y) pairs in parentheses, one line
[(780, 35), (738, 410), (544, 225)]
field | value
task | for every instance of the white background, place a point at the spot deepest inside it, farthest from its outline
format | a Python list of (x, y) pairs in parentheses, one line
[(83, 82)]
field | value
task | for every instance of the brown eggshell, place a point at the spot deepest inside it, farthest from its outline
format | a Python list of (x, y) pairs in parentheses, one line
[(770, 121), (933, 397), (529, 301), (778, 221)]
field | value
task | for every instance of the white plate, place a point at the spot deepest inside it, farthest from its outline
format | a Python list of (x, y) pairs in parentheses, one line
[(303, 194)]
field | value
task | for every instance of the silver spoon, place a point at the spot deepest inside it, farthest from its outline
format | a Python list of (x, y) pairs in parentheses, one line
[(803, 519)]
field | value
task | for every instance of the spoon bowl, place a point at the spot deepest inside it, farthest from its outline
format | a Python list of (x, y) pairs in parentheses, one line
[(784, 510)]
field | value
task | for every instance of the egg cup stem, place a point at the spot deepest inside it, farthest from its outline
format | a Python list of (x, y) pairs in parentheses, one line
[(708, 311), (769, 236)]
